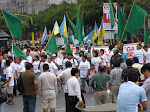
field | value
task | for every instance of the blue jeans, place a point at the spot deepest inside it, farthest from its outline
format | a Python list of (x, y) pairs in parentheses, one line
[(58, 86), (90, 88), (1, 107), (38, 74), (29, 103)]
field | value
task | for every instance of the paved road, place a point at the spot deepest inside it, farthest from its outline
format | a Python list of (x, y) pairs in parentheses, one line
[(89, 98)]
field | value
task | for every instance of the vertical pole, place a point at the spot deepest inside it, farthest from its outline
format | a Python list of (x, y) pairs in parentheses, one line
[(32, 34)]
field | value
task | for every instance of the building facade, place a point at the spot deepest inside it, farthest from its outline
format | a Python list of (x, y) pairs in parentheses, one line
[(29, 6)]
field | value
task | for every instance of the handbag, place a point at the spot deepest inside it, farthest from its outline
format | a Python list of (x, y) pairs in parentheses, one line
[(3, 96)]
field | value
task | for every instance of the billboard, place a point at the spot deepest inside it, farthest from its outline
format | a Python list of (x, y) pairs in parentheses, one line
[(106, 17)]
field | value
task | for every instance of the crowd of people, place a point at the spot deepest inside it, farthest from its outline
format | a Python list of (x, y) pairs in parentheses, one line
[(46, 74)]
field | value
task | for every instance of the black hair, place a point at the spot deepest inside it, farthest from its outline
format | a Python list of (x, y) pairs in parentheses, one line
[(133, 76), (135, 60), (145, 67), (68, 64), (37, 57), (145, 47), (80, 52), (10, 57), (55, 54), (7, 62), (74, 71), (111, 47), (84, 56), (101, 68), (117, 63), (45, 67), (129, 62), (102, 50), (44, 56), (96, 53), (29, 66), (77, 47), (70, 54)]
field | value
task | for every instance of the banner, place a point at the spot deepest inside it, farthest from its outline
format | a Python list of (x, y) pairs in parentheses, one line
[(128, 49), (106, 17), (60, 41)]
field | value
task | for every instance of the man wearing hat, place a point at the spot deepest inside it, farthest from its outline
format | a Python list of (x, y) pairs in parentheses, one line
[(114, 58)]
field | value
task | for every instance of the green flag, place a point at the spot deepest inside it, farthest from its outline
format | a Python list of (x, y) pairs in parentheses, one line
[(68, 49), (78, 31), (136, 19), (112, 14), (146, 36), (71, 25), (51, 45), (121, 25), (14, 25), (17, 51)]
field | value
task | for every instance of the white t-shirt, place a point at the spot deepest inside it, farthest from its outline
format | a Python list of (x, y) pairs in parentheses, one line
[(52, 67), (59, 62), (96, 62), (105, 60), (3, 65), (35, 66), (140, 55), (19, 69), (10, 74), (64, 63), (41, 66), (147, 56), (23, 65), (29, 59), (73, 62), (109, 57), (83, 67), (13, 65), (79, 59)]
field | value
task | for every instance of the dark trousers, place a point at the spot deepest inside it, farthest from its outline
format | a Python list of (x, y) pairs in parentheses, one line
[(66, 100), (72, 101), (29, 103)]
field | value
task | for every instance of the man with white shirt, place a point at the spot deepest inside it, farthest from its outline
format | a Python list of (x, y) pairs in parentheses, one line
[(74, 91), (29, 58), (10, 84), (84, 68), (147, 54), (64, 76), (111, 53), (52, 67), (42, 62), (3, 65), (140, 54), (48, 89)]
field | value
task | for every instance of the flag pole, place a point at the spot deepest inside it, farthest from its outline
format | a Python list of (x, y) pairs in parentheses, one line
[(70, 21), (112, 12), (123, 9), (126, 23), (7, 26), (144, 29)]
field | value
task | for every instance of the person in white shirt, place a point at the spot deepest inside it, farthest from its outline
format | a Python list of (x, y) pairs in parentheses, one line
[(29, 58), (72, 60), (84, 68), (57, 61), (18, 65), (103, 57), (3, 65), (48, 89), (74, 91), (10, 84), (63, 77), (147, 52), (23, 63), (65, 60), (52, 67), (13, 65), (42, 62), (79, 59), (36, 64), (86, 49), (140, 54), (95, 60)]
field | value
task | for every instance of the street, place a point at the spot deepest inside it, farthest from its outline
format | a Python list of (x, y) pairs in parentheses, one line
[(60, 104)]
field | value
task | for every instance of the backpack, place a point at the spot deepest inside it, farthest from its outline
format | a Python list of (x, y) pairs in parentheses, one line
[(20, 87)]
